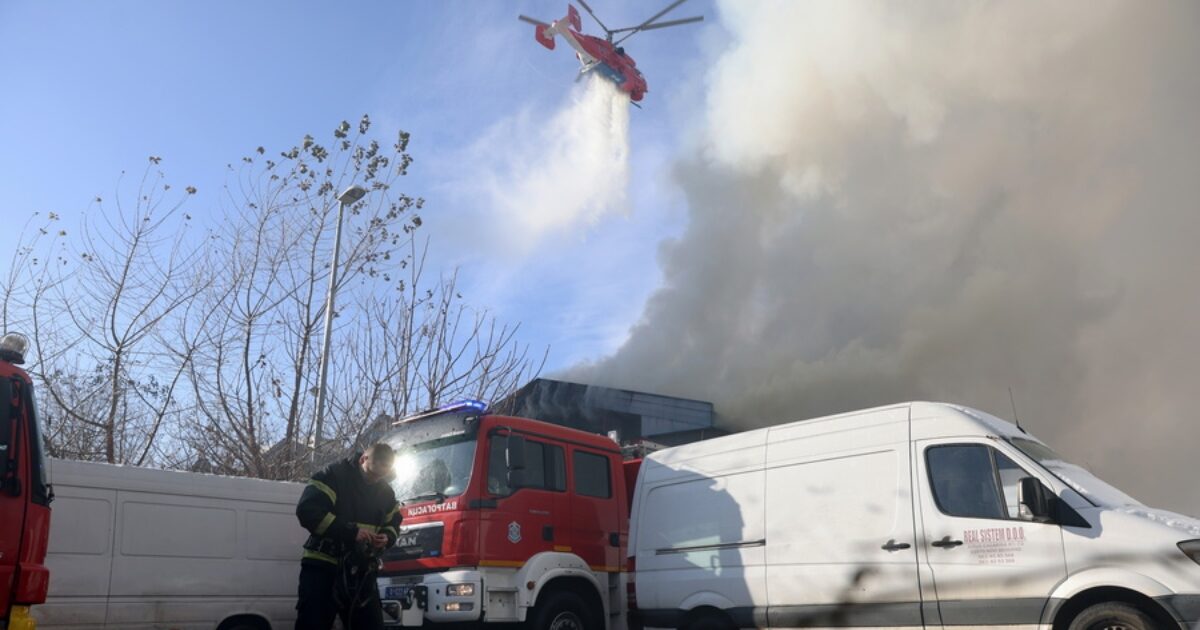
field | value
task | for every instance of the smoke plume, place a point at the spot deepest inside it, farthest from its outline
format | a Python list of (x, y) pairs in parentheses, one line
[(942, 201)]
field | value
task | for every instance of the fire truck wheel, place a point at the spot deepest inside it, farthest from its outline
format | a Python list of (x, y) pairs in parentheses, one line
[(561, 610)]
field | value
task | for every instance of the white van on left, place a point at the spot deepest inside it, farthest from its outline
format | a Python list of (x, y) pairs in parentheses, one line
[(137, 548)]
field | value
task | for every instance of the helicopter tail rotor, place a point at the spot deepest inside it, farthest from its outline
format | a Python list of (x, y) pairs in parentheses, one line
[(543, 37), (544, 33), (573, 18)]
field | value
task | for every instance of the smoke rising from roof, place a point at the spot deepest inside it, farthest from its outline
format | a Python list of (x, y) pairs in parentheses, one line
[(896, 202)]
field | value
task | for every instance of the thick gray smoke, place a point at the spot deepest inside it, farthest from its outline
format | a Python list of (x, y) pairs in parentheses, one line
[(942, 201)]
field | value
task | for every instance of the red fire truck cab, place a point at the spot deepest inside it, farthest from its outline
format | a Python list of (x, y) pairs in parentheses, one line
[(506, 520), (24, 494)]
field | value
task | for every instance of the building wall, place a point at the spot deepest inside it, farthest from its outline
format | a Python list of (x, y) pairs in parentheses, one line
[(632, 414)]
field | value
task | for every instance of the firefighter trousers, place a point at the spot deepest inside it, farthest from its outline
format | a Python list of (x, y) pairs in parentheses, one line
[(317, 606)]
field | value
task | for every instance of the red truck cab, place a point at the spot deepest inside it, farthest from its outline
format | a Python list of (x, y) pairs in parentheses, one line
[(506, 519), (24, 494)]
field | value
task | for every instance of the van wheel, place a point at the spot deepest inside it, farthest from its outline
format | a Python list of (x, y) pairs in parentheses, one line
[(709, 621), (1112, 616), (561, 610), (244, 622), (245, 625)]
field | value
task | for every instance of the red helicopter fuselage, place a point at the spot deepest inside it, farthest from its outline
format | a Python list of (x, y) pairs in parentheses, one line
[(614, 64), (595, 54)]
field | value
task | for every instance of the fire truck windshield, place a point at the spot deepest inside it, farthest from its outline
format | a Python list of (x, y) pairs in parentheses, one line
[(434, 456), (435, 469)]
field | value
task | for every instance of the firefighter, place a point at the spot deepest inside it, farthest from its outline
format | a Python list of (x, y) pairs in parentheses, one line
[(352, 514)]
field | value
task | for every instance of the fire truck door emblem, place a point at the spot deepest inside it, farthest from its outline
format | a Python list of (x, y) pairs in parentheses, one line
[(514, 532)]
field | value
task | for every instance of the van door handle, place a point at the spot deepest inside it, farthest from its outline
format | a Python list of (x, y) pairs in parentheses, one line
[(892, 545), (946, 543)]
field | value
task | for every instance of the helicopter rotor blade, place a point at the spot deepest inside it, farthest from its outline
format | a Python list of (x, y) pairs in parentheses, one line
[(647, 23), (698, 18), (593, 14), (659, 15), (526, 18)]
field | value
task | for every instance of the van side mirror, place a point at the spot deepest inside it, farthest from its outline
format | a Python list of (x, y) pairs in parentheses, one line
[(514, 460), (1032, 496)]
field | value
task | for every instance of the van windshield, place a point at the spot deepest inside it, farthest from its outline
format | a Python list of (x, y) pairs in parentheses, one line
[(1094, 489)]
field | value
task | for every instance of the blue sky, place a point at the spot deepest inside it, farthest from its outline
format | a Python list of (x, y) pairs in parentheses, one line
[(92, 89)]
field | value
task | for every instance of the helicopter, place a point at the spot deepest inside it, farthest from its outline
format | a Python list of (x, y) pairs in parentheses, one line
[(604, 56)]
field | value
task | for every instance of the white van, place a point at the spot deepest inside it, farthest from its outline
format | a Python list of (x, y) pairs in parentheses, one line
[(916, 515), (136, 548)]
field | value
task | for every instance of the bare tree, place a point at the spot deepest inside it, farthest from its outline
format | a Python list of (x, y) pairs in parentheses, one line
[(422, 346), (26, 266), (253, 378), (161, 342), (33, 278), (102, 359)]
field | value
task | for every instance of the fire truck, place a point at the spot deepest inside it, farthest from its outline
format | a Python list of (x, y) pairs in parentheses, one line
[(507, 520), (24, 494)]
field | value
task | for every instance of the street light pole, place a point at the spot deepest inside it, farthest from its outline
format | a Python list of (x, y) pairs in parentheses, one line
[(348, 196)]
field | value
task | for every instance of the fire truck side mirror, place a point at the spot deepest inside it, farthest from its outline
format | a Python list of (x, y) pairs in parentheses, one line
[(514, 452), (514, 459)]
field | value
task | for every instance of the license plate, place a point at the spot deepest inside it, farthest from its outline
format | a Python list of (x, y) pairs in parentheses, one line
[(396, 592)]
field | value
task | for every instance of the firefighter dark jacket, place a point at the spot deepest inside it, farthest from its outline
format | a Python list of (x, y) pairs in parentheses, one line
[(336, 503)]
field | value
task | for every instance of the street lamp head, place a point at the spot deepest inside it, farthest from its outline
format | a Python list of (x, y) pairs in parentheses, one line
[(352, 194)]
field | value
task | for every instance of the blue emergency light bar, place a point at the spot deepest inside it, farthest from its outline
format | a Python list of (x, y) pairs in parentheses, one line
[(462, 406)]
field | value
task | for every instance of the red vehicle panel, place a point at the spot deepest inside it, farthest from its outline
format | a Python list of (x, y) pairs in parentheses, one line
[(489, 523), (598, 514), (503, 516), (24, 494)]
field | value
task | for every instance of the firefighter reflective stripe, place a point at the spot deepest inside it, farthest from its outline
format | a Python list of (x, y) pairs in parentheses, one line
[(317, 555), (323, 526), (374, 529), (391, 523), (324, 488)]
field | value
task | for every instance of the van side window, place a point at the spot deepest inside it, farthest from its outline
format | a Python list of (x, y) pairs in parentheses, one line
[(591, 475), (964, 481), (545, 466)]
